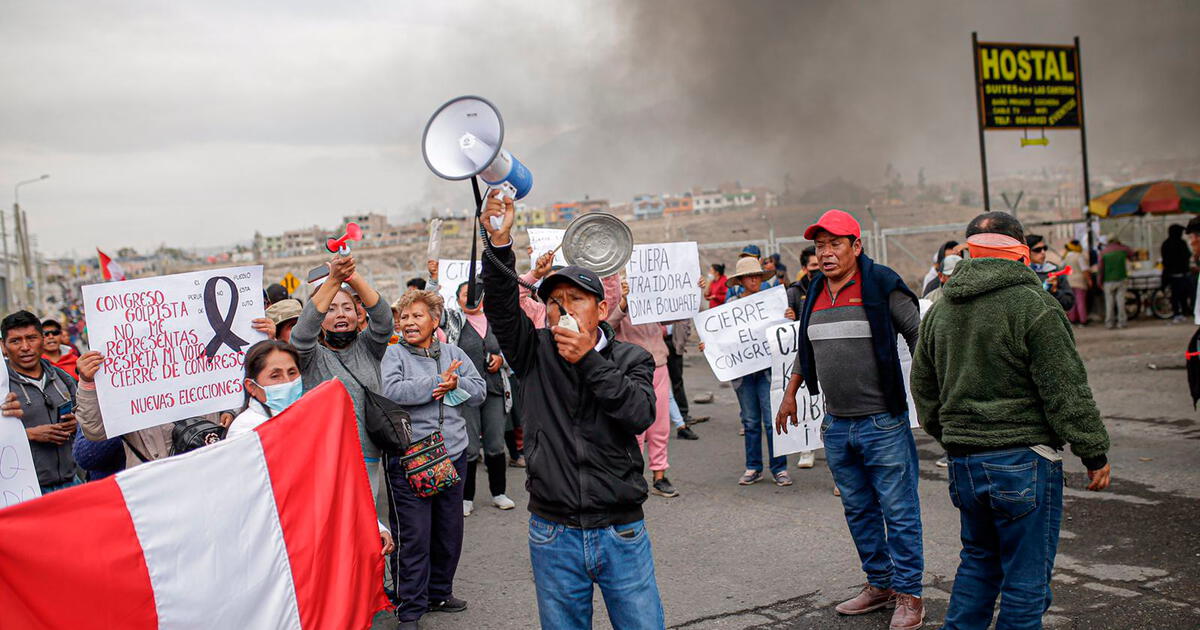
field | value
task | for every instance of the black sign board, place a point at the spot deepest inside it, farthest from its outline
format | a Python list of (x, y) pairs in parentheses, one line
[(1028, 86)]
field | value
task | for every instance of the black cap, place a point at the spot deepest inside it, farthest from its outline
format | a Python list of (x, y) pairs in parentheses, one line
[(1193, 226), (275, 293), (585, 279)]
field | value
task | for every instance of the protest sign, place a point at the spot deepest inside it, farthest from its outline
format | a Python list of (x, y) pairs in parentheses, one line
[(543, 240), (734, 334), (452, 273), (173, 345), (662, 282), (18, 477)]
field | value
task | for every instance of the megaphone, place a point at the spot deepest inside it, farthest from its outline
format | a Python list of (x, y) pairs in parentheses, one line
[(463, 138)]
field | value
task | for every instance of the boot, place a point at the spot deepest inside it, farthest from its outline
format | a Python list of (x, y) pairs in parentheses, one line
[(870, 599), (910, 612)]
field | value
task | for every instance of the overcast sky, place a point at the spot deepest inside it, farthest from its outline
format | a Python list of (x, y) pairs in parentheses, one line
[(197, 123)]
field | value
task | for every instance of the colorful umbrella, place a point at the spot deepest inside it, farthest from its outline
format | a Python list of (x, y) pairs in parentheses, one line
[(1165, 197)]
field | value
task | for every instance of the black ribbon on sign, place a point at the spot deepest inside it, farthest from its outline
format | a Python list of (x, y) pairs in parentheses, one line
[(222, 329)]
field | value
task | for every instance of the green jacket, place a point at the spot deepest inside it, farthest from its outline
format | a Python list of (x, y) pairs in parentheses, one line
[(996, 367)]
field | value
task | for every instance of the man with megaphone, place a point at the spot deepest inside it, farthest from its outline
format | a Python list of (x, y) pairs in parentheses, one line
[(586, 397)]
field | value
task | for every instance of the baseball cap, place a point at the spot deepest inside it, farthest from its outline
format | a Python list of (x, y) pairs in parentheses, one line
[(585, 279), (284, 310), (275, 293), (751, 250), (837, 223)]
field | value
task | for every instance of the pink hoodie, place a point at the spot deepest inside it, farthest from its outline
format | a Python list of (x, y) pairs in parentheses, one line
[(648, 336)]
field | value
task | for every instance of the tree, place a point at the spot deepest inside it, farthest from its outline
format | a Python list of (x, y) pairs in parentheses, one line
[(127, 252)]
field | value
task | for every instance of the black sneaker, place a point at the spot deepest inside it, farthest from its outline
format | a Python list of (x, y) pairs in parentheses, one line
[(685, 433), (451, 604), (663, 488)]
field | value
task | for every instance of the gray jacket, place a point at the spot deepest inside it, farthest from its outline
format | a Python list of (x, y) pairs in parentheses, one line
[(409, 379), (359, 360), (54, 463)]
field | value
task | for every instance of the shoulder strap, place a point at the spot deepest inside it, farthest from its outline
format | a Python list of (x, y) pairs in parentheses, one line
[(136, 452), (338, 356)]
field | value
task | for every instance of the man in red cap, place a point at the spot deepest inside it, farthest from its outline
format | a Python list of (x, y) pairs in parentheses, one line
[(854, 310)]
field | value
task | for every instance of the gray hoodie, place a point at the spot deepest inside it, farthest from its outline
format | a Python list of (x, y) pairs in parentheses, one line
[(409, 379), (54, 463)]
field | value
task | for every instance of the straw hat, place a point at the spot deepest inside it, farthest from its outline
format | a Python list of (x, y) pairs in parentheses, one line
[(747, 267)]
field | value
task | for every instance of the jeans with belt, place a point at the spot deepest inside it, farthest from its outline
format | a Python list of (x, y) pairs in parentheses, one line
[(1010, 509), (874, 464)]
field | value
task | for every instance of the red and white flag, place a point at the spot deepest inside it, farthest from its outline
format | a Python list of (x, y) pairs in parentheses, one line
[(274, 528), (109, 268)]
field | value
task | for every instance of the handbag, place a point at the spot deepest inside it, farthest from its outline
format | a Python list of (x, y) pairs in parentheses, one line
[(387, 424)]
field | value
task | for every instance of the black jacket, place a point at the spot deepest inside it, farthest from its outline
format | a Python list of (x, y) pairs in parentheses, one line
[(581, 421)]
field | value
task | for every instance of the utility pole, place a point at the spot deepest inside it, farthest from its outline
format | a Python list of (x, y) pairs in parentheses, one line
[(22, 242)]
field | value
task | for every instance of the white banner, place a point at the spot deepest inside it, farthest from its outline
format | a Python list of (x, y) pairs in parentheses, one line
[(734, 333), (452, 273), (662, 282), (543, 240), (18, 477), (173, 345)]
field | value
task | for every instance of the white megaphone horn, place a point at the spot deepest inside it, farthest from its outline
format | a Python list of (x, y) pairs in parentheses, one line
[(464, 138)]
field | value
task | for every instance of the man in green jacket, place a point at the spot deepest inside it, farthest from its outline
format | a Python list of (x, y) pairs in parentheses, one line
[(998, 382)]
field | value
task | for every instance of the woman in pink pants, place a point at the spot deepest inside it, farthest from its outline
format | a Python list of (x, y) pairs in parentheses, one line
[(649, 337)]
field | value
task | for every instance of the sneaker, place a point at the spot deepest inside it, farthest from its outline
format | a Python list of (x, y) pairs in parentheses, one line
[(503, 502), (685, 433), (451, 604), (806, 459), (468, 507), (943, 461), (663, 488), (750, 477), (518, 462), (690, 420), (783, 479)]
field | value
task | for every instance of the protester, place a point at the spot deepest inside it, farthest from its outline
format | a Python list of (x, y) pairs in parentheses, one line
[(770, 265), (848, 336), (468, 329), (587, 397), (284, 314), (1081, 282), (542, 267), (141, 446), (798, 290), (949, 264), (330, 345), (1114, 277), (432, 380), (98, 459), (271, 384), (1059, 286), (749, 251), (650, 338), (716, 287), (414, 284), (47, 399), (57, 349), (1176, 271), (754, 394), (1003, 418), (675, 335), (930, 281)]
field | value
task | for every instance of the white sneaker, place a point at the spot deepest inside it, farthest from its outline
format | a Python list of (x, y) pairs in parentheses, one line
[(468, 507), (806, 459), (503, 502)]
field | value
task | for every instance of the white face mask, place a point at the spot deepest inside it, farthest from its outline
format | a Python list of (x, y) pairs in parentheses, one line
[(710, 276)]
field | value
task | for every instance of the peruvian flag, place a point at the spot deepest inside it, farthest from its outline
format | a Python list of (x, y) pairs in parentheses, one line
[(274, 528), (109, 268)]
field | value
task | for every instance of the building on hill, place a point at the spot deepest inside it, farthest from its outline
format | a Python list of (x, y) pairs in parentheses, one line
[(681, 204), (648, 207)]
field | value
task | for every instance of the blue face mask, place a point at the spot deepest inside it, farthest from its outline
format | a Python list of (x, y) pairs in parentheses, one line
[(455, 397), (281, 396)]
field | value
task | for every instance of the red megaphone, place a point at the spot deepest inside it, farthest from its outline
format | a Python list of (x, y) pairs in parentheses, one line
[(338, 245), (1065, 271)]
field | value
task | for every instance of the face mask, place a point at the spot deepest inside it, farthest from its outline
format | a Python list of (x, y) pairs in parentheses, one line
[(710, 277), (340, 340), (455, 397), (281, 396)]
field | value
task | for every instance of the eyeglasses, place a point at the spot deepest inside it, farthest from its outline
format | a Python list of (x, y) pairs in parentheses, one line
[(1038, 250)]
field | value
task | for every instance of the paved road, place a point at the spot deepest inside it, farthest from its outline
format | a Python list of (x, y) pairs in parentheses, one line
[(767, 557)]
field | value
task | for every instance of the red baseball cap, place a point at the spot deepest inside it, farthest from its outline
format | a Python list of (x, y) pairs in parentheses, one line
[(835, 222)]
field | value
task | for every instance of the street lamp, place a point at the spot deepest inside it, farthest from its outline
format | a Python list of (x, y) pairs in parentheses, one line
[(22, 237)]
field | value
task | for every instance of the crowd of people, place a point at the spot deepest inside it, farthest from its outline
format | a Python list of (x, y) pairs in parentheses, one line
[(547, 372)]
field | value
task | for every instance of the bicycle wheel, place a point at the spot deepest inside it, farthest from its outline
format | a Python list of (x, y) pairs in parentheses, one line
[(1160, 304), (1133, 303)]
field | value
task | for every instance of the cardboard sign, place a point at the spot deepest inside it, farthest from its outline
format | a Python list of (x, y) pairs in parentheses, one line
[(734, 333), (452, 273), (543, 240), (662, 282), (18, 477), (173, 345)]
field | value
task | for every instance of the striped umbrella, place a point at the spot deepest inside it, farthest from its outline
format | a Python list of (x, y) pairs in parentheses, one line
[(1164, 197)]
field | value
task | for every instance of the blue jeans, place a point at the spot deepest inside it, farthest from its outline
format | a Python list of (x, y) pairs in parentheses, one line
[(567, 561), (754, 398), (62, 486), (874, 464), (1010, 506)]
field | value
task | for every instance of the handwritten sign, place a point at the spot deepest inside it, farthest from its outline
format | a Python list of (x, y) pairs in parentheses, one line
[(452, 273), (18, 477), (734, 333), (173, 345), (543, 240), (662, 282)]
